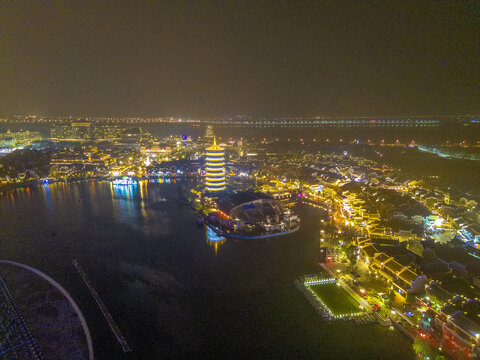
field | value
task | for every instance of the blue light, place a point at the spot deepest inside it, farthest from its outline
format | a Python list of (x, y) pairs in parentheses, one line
[(124, 181), (212, 236)]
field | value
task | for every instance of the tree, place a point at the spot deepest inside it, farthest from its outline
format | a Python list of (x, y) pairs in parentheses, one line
[(426, 349), (410, 299), (21, 160), (444, 236), (471, 204), (350, 251), (385, 210), (390, 298), (421, 347), (463, 201)]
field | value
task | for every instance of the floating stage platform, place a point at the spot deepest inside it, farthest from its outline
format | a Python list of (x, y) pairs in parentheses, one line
[(246, 236)]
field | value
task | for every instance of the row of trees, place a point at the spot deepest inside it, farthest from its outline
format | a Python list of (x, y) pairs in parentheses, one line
[(426, 349), (20, 160)]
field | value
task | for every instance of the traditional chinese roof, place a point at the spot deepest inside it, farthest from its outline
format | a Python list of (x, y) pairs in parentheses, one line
[(381, 258), (407, 275), (394, 266), (214, 147), (369, 250)]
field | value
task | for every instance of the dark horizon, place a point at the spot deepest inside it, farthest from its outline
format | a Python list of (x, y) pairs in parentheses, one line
[(260, 58), (243, 116)]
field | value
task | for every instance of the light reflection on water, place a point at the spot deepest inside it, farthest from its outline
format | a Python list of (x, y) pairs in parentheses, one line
[(213, 239), (172, 295), (124, 196)]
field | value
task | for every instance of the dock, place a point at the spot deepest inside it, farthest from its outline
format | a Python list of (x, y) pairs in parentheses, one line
[(113, 325)]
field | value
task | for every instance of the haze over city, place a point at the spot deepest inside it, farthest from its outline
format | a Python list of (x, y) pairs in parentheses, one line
[(217, 58)]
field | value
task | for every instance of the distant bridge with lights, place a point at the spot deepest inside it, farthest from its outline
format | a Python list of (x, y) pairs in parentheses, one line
[(278, 122)]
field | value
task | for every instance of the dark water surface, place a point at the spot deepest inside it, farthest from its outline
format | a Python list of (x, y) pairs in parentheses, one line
[(171, 295)]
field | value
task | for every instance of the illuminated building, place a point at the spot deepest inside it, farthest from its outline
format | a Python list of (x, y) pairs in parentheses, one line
[(102, 132), (250, 215), (135, 137), (10, 139), (147, 161), (209, 132), (82, 130), (125, 181), (215, 168), (61, 132), (7, 142), (76, 131)]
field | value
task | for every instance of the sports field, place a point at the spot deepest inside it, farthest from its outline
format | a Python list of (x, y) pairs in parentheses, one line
[(337, 300)]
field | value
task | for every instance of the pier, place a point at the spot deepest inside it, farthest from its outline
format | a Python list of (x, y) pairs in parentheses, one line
[(113, 325)]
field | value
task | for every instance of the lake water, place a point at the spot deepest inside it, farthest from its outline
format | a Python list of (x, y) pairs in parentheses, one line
[(171, 294)]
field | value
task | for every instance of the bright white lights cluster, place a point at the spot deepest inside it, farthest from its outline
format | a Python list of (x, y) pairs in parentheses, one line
[(124, 181), (320, 281)]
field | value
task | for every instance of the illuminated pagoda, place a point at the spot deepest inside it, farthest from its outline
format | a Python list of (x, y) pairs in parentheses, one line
[(215, 168)]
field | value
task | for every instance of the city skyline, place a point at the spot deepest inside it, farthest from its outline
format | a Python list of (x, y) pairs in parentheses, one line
[(225, 179)]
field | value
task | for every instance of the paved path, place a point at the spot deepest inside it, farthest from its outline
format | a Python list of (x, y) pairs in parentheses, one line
[(348, 289), (64, 293)]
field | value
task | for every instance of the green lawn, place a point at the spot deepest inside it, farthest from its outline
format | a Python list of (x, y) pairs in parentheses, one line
[(336, 299)]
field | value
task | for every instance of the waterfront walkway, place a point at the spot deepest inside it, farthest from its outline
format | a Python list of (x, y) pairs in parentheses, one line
[(14, 332), (347, 289), (65, 294)]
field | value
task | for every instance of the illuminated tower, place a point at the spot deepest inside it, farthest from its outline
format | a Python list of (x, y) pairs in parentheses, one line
[(215, 167), (209, 132)]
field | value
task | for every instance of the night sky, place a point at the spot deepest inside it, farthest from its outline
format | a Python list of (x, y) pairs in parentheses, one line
[(265, 58)]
